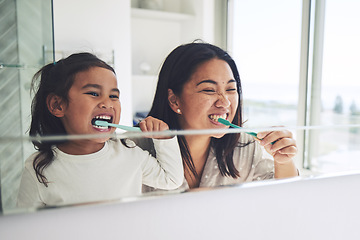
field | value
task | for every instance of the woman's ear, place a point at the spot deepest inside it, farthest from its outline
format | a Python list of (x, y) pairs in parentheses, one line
[(55, 105), (173, 101)]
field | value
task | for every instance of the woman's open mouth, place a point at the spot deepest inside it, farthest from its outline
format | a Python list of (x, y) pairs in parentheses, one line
[(215, 117)]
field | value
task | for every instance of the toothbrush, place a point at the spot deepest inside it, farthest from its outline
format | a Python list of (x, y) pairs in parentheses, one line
[(227, 123), (126, 128)]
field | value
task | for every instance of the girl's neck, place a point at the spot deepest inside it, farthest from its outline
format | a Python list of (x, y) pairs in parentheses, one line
[(199, 147), (80, 147)]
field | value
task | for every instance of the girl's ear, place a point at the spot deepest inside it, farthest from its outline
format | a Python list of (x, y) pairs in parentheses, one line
[(55, 105), (173, 101)]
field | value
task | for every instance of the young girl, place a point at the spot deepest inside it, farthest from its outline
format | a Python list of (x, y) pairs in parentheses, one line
[(71, 95)]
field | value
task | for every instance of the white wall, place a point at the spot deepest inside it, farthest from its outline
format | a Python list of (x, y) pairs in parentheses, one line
[(99, 27), (103, 26), (154, 37)]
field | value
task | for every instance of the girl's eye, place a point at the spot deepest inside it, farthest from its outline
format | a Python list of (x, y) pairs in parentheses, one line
[(114, 96), (92, 94)]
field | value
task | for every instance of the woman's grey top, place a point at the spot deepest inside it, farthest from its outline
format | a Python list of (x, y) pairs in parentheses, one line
[(251, 160)]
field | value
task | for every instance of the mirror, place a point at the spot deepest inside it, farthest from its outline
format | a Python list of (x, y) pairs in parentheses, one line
[(131, 23), (326, 163)]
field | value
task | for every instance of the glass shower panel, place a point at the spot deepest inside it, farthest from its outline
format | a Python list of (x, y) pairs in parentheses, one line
[(26, 42)]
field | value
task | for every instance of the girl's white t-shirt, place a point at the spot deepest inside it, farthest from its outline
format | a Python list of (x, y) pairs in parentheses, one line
[(114, 172)]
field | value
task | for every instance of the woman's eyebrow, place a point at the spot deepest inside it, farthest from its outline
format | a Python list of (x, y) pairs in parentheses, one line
[(213, 82), (206, 81)]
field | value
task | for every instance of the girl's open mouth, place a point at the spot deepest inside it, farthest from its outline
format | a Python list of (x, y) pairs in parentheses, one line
[(106, 118)]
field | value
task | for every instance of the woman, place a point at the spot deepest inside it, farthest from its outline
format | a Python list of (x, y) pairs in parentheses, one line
[(198, 83)]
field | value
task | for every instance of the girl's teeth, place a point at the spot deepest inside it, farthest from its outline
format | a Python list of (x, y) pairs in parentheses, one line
[(103, 117), (100, 127)]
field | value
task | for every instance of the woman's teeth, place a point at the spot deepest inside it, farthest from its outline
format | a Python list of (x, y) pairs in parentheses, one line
[(216, 117)]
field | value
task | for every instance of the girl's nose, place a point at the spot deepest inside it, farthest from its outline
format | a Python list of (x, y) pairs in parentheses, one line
[(222, 101), (105, 104)]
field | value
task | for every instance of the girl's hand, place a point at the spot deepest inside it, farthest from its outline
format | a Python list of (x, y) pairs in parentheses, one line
[(283, 148), (151, 124)]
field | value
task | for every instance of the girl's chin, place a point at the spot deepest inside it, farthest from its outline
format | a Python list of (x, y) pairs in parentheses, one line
[(101, 140), (103, 136), (105, 130), (96, 130)]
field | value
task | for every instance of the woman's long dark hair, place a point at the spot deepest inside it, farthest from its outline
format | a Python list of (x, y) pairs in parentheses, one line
[(176, 70), (55, 78)]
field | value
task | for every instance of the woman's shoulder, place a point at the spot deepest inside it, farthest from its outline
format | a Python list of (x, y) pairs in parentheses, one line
[(247, 147), (246, 140)]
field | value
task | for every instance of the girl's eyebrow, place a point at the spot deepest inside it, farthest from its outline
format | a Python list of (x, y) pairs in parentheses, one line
[(213, 82), (89, 85)]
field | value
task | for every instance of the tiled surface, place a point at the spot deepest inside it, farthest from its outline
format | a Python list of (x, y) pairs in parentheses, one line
[(11, 158)]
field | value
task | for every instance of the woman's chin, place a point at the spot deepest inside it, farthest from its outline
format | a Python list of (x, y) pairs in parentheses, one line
[(220, 135)]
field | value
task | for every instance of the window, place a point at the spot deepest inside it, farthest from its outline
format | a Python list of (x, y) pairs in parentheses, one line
[(265, 39), (265, 44), (340, 100)]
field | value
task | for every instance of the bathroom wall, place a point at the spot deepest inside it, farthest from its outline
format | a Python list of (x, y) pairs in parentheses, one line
[(100, 27)]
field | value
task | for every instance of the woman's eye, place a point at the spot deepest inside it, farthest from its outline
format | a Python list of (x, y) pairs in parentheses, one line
[(93, 94), (209, 90), (231, 90)]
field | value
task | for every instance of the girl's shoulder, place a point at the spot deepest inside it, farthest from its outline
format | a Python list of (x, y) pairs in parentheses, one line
[(125, 146), (143, 143), (116, 142), (29, 165), (29, 161)]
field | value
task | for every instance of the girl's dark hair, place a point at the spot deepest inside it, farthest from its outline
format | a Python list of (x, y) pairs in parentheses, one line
[(176, 70), (55, 78)]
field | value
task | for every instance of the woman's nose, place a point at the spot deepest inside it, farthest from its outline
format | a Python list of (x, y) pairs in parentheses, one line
[(222, 101)]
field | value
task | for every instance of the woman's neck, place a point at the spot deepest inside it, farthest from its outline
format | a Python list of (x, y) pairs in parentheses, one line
[(199, 147)]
